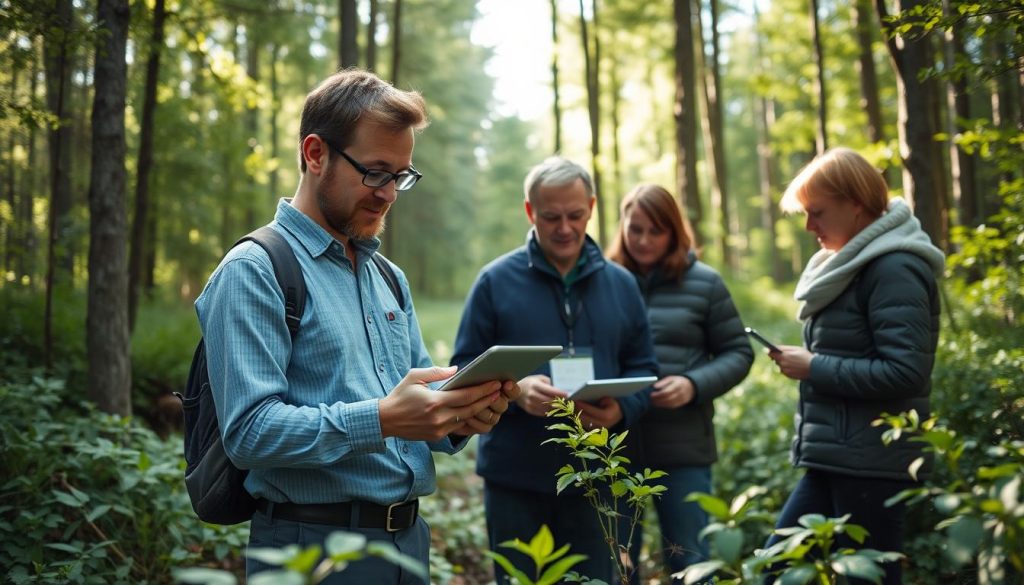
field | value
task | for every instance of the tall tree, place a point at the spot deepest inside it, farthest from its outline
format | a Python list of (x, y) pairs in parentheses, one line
[(863, 19), (57, 50), (958, 109), (911, 52), (371, 38), (686, 115), (557, 105), (140, 238), (107, 335), (348, 47), (711, 125), (591, 70), (388, 240), (765, 108), (821, 136)]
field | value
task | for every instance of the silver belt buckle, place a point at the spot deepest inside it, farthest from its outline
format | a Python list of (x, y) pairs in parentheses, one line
[(387, 525)]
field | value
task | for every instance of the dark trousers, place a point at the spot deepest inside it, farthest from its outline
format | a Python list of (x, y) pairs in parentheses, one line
[(278, 533), (513, 514), (834, 495)]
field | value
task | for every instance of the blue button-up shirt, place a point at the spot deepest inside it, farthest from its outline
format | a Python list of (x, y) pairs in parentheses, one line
[(303, 416)]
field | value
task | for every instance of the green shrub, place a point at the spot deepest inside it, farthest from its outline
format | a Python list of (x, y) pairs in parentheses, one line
[(92, 498)]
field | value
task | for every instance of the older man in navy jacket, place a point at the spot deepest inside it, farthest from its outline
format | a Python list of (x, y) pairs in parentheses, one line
[(557, 289)]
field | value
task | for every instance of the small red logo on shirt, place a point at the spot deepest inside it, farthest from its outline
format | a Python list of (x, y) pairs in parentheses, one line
[(391, 316)]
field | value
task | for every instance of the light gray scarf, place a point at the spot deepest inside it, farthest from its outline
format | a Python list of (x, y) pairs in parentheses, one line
[(828, 273)]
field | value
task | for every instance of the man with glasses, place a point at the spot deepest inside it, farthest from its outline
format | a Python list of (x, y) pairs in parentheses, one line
[(557, 289), (337, 425)]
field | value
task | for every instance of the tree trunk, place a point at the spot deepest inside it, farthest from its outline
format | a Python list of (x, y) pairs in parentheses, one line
[(275, 100), (252, 125), (961, 164), (348, 48), (557, 106), (140, 239), (107, 336), (766, 166), (616, 90), (591, 69), (371, 38), (57, 50), (821, 137), (29, 186), (869, 102), (686, 116), (911, 53), (387, 239), (711, 125), (11, 228)]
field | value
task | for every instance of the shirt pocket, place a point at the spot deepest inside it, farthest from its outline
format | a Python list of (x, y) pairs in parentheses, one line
[(396, 337)]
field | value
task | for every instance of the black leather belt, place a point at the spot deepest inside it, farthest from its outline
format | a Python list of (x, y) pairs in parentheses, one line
[(392, 518)]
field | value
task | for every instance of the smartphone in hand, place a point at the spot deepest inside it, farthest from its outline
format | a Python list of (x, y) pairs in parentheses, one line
[(761, 339)]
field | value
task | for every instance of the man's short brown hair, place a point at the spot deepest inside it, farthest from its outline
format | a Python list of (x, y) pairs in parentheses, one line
[(343, 99)]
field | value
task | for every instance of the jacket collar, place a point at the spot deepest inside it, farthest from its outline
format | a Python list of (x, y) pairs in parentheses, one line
[(591, 251)]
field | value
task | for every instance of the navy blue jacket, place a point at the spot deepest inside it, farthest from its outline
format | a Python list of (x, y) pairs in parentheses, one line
[(517, 300)]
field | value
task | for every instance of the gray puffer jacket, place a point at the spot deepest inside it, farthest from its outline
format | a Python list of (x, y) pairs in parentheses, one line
[(874, 348), (697, 333)]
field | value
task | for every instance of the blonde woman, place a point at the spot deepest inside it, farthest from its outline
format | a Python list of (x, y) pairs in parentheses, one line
[(870, 308)]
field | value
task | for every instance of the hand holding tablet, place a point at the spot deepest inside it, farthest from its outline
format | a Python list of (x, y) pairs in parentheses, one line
[(614, 387), (502, 362)]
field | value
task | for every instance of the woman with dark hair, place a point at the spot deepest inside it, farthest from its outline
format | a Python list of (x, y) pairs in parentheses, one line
[(702, 353), (870, 306)]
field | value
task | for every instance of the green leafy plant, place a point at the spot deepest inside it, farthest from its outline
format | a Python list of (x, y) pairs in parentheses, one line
[(727, 535), (807, 554), (983, 507), (307, 566), (551, 565), (605, 479)]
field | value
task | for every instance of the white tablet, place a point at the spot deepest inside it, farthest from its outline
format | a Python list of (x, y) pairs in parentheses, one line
[(502, 362), (614, 387)]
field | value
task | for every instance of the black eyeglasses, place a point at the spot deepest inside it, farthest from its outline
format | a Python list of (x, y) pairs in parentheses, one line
[(377, 178)]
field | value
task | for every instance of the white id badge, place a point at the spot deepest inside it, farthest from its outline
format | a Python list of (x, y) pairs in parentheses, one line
[(570, 372)]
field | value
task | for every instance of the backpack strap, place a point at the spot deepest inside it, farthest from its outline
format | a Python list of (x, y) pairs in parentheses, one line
[(389, 277), (286, 270)]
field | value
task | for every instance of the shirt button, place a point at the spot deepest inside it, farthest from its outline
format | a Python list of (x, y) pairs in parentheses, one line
[(369, 319), (380, 367), (405, 448)]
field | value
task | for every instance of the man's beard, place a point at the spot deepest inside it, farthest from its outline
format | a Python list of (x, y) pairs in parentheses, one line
[(341, 222)]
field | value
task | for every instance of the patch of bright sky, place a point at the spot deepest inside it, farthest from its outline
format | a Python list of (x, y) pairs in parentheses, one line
[(519, 31)]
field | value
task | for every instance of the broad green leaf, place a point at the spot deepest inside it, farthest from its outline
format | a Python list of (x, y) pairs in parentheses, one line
[(97, 512), (519, 576), (714, 506), (542, 544), (698, 571), (799, 575), (964, 537), (271, 556), (204, 576), (304, 562), (729, 544), (68, 548), (67, 499), (340, 542), (859, 567), (554, 573), (277, 578)]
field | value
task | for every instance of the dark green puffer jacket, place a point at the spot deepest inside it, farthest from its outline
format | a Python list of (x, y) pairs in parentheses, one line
[(697, 333), (874, 348)]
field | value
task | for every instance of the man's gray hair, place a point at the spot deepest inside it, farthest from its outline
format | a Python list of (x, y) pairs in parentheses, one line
[(556, 171)]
